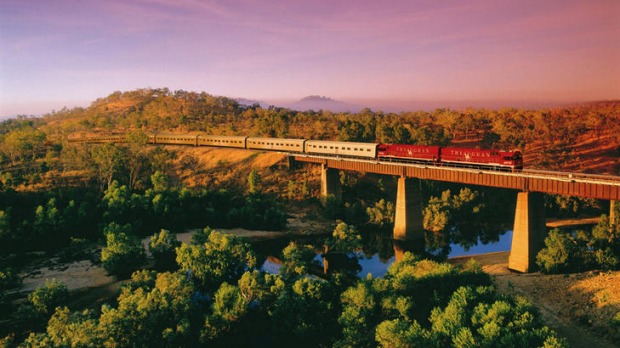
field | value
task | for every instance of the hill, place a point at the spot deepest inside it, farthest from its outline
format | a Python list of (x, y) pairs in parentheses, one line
[(583, 137), (316, 103)]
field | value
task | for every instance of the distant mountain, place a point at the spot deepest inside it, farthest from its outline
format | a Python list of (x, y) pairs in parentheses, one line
[(316, 102), (250, 102)]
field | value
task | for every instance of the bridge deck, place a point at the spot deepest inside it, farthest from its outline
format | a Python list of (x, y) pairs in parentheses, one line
[(570, 184)]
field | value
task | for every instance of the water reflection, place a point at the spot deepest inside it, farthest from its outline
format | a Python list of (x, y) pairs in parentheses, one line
[(483, 247), (377, 254)]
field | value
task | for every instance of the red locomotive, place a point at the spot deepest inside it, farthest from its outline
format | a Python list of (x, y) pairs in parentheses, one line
[(465, 156), (409, 152)]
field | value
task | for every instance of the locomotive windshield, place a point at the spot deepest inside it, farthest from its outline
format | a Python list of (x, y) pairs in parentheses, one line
[(515, 157)]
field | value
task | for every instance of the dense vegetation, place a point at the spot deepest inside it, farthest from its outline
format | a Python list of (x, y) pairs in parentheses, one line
[(60, 196), (218, 298)]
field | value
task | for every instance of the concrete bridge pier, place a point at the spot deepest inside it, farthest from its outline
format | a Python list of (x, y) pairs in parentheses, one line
[(529, 231), (330, 183), (408, 222), (292, 163)]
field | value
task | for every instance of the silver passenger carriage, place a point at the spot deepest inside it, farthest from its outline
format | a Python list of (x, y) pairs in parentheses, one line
[(102, 139), (222, 141), (341, 148), (176, 139), (276, 144)]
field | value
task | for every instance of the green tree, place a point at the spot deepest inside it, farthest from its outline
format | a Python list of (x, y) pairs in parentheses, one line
[(152, 314), (361, 312), (163, 248), (254, 182), (260, 211), (201, 236), (117, 202), (77, 329), (46, 298), (350, 130), (47, 225), (382, 214), (559, 254), (398, 333), (290, 312), (297, 260), (5, 224), (229, 306), (332, 206), (222, 258), (478, 317), (291, 190), (430, 135), (344, 238), (437, 213), (161, 159), (8, 280), (160, 182), (260, 288), (110, 162), (24, 144), (137, 157), (123, 252)]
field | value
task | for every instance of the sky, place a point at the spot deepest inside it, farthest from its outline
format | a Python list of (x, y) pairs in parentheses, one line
[(56, 53)]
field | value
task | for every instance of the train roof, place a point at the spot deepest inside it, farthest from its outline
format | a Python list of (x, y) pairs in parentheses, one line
[(341, 143)]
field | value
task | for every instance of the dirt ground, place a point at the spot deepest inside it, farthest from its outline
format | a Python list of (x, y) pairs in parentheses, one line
[(579, 306), (86, 276)]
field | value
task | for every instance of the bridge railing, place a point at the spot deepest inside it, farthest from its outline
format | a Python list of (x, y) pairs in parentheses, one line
[(570, 176)]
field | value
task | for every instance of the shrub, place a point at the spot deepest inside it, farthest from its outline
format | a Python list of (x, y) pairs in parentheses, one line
[(559, 254), (8, 279), (45, 299)]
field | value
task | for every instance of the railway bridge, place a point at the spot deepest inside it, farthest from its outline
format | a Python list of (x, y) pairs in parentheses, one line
[(529, 230)]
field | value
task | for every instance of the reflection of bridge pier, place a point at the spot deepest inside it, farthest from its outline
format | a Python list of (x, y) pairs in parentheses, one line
[(401, 247)]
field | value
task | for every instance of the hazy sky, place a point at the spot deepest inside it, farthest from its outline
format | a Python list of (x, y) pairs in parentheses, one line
[(69, 52)]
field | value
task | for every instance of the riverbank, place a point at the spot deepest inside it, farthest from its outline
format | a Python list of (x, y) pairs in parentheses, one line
[(579, 306)]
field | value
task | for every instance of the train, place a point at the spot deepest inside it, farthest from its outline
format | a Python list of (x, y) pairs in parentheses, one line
[(424, 154)]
